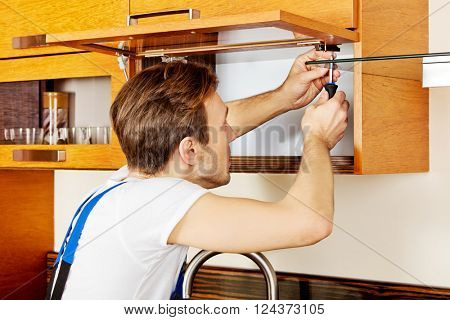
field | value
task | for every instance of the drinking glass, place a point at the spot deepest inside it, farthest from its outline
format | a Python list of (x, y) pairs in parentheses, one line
[(17, 135), (80, 135), (100, 135)]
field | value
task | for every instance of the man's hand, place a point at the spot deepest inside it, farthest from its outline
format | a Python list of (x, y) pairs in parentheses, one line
[(301, 86), (327, 119), (304, 82)]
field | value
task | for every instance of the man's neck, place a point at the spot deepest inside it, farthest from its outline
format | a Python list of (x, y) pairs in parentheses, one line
[(141, 175)]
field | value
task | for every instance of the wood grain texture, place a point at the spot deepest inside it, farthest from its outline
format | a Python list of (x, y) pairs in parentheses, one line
[(26, 232), (340, 12), (57, 67), (93, 156), (393, 126), (283, 164), (232, 283), (227, 283), (20, 18), (390, 106), (393, 27), (276, 18)]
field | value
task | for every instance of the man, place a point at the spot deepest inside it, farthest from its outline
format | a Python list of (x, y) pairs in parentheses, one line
[(175, 132)]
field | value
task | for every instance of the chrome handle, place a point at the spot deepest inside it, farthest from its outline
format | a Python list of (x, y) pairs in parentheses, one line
[(261, 261), (39, 155), (133, 18)]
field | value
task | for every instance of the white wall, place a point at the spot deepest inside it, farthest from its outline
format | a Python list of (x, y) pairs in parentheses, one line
[(388, 227)]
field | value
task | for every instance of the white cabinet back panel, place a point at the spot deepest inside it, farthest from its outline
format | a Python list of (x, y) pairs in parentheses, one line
[(90, 100), (243, 74)]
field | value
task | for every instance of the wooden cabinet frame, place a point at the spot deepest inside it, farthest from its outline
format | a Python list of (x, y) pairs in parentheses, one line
[(390, 107)]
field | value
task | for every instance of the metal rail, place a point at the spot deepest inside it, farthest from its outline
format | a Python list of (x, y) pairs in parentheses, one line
[(378, 58)]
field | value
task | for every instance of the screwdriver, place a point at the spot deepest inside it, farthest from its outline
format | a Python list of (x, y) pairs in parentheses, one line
[(331, 87)]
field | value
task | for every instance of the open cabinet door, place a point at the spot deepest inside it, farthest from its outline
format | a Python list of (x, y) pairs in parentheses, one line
[(106, 40)]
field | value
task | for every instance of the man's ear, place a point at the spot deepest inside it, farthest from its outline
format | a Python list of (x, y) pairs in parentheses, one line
[(188, 150)]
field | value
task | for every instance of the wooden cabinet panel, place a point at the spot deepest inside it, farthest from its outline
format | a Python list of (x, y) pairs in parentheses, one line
[(26, 232), (78, 156), (390, 105), (393, 27), (63, 66), (95, 39), (339, 12), (30, 17), (391, 126)]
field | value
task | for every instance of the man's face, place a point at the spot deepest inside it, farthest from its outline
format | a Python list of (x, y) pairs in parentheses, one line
[(213, 169)]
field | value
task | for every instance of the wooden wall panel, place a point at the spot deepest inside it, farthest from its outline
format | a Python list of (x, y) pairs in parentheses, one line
[(339, 12), (232, 283), (26, 232), (229, 284)]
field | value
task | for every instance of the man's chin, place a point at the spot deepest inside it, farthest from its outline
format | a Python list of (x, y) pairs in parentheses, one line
[(226, 179), (217, 181)]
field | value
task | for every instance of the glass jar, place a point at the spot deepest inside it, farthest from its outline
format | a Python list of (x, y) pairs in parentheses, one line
[(55, 115)]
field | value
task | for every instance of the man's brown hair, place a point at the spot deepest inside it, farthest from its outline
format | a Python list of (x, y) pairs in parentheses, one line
[(157, 108)]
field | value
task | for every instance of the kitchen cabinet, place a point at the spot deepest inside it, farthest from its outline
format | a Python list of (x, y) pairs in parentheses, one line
[(108, 157), (60, 67), (390, 106), (38, 17)]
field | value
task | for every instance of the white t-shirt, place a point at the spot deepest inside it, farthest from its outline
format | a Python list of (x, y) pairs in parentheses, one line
[(123, 251)]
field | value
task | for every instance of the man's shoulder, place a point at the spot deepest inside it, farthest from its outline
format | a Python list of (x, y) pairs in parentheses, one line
[(122, 174), (167, 184)]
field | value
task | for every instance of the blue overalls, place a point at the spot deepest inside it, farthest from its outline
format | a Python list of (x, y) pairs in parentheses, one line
[(67, 252)]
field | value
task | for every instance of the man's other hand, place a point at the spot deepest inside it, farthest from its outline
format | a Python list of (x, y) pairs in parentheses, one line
[(305, 82), (327, 119)]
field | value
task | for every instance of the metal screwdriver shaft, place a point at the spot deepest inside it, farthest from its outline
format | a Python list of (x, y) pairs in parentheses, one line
[(331, 87)]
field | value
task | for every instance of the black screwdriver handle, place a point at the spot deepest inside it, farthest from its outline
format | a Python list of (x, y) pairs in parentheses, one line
[(331, 88)]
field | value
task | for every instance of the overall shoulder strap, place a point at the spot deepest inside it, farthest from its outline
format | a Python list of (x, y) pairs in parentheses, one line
[(66, 255), (69, 230), (177, 294)]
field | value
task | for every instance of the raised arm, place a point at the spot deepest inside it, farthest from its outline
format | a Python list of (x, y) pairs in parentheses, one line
[(301, 86), (303, 217)]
